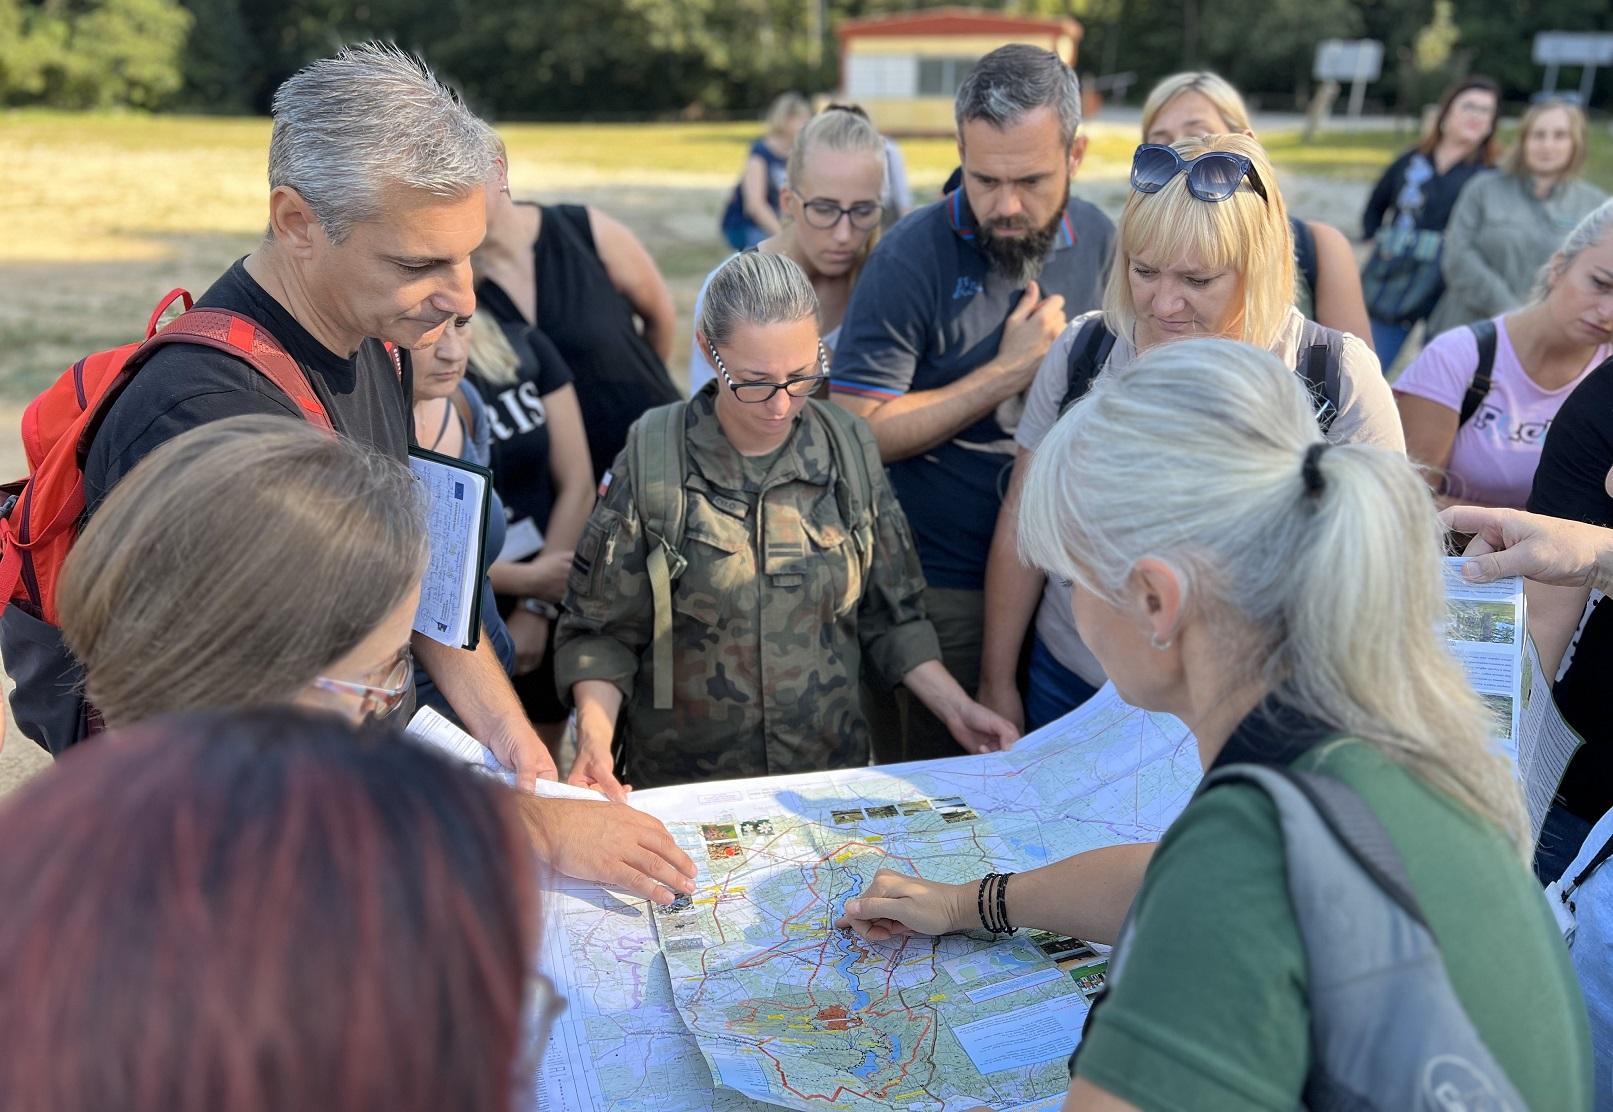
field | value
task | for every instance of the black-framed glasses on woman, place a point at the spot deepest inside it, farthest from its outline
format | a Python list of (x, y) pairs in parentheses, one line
[(377, 700), (824, 214), (755, 393)]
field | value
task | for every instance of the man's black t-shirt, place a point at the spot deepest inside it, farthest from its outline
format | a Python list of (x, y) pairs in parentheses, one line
[(183, 386), (519, 420), (1572, 482)]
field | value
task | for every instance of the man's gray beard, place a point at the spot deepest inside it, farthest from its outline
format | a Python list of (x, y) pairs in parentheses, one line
[(1020, 258)]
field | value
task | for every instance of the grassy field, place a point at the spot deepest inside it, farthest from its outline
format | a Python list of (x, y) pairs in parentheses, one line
[(105, 213)]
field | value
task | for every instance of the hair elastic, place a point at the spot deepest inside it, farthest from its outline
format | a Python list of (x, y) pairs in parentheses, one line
[(1311, 471)]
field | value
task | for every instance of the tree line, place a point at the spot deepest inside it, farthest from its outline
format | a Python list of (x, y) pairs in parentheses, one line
[(537, 59)]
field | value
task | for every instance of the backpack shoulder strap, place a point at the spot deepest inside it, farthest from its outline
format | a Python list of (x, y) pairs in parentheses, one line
[(659, 463), (1384, 1017), (1305, 252), (1477, 390), (1320, 361), (856, 457), (1089, 351), (247, 341)]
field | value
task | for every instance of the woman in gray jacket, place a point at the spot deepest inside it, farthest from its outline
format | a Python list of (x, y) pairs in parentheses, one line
[(1506, 224)]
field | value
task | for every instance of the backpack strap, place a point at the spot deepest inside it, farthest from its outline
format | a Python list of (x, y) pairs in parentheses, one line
[(659, 466), (1089, 351), (1387, 1028), (247, 341), (857, 461), (1479, 389), (1305, 253), (1320, 359)]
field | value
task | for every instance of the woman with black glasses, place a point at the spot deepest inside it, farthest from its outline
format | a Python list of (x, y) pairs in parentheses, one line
[(831, 213), (1205, 248), (745, 554)]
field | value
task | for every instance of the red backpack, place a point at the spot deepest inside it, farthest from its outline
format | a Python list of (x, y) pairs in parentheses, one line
[(40, 515)]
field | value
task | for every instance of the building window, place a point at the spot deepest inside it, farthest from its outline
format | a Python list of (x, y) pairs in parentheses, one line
[(940, 77)]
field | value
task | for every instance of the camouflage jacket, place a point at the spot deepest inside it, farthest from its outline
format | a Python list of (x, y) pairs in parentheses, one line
[(770, 618)]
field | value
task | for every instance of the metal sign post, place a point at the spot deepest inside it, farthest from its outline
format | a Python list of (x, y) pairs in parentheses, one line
[(1554, 49), (1357, 61)]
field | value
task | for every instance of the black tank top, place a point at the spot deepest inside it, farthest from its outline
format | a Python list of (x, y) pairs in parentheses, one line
[(617, 373)]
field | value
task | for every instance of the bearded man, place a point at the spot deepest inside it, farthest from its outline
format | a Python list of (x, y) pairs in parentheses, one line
[(946, 328)]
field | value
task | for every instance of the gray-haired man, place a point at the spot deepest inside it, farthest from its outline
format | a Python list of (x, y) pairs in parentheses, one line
[(948, 324), (377, 196)]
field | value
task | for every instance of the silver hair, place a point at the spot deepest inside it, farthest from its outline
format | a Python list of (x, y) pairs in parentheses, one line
[(1318, 565), (1591, 230), (347, 128), (1015, 79), (755, 288)]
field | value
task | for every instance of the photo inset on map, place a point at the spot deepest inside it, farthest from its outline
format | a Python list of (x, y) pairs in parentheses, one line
[(724, 850), (680, 902), (716, 833), (756, 828), (846, 818), (888, 812), (959, 816), (1494, 623), (918, 806)]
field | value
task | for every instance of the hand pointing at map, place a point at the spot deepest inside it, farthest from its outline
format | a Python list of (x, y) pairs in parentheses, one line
[(895, 906)]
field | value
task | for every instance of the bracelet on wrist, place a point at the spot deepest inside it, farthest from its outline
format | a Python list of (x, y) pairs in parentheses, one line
[(991, 903)]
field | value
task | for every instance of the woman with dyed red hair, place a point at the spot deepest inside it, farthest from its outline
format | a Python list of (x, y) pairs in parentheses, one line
[(263, 913)]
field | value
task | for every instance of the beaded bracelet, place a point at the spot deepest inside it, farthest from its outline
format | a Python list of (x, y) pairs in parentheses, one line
[(991, 902)]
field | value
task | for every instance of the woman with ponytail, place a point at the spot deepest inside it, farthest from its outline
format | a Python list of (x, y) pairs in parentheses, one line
[(1285, 601)]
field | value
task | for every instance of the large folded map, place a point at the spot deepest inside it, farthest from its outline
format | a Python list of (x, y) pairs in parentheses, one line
[(746, 997)]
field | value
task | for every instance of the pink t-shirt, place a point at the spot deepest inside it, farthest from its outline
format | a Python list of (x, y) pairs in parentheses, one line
[(1495, 454)]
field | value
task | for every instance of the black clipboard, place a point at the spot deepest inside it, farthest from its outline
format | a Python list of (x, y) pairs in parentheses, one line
[(469, 486)]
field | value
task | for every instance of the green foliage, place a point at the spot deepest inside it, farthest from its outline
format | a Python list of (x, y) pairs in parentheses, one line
[(93, 54)]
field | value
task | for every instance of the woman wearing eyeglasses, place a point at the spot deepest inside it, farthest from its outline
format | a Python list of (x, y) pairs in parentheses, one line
[(745, 555), (257, 561), (831, 215), (1204, 249)]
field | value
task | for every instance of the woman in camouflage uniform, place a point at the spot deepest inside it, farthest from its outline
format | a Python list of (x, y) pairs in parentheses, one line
[(762, 521)]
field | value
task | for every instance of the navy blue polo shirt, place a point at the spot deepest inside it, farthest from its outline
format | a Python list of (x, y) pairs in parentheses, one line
[(928, 309)]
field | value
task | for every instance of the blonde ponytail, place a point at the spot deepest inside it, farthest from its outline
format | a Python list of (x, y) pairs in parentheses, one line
[(1324, 575)]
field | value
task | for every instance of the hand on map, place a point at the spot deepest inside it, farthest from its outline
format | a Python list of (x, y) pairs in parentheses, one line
[(609, 844), (1545, 549), (596, 768), (896, 906), (980, 729), (519, 748)]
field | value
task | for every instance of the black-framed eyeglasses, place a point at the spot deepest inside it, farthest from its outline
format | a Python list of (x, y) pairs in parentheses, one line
[(755, 393), (824, 214), (1212, 176)]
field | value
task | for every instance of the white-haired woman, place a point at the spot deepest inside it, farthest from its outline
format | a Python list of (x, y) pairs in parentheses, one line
[(1506, 225), (1285, 601), (1478, 430), (1185, 105), (745, 555), (831, 212), (1205, 248)]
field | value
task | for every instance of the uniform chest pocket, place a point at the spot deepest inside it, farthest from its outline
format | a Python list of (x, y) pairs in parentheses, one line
[(720, 579), (837, 556)]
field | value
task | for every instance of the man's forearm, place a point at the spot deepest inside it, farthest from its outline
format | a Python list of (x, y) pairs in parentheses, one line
[(599, 703), (473, 682), (916, 422)]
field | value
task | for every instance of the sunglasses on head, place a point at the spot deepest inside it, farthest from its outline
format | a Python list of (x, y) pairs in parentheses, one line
[(1213, 176)]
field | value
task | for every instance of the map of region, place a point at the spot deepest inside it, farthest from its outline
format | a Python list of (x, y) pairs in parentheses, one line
[(792, 1011), (765, 1002)]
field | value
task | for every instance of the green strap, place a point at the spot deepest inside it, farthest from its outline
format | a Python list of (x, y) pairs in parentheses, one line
[(657, 460)]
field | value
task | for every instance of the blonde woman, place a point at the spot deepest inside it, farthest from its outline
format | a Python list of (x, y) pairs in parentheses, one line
[(324, 542), (1506, 225), (1201, 103), (1283, 599), (831, 210), (1184, 266), (753, 209)]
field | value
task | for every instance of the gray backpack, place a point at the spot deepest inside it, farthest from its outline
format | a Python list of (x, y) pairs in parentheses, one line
[(1387, 1029)]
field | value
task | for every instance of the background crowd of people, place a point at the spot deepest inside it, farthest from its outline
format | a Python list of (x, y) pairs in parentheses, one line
[(940, 476)]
